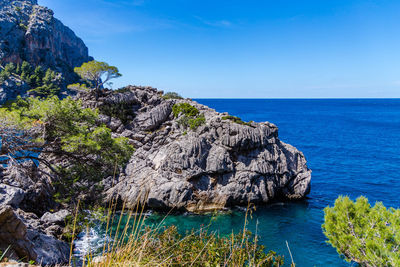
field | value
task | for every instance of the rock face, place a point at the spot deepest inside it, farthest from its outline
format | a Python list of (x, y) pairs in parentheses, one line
[(30, 32), (12, 88), (220, 164), (27, 242)]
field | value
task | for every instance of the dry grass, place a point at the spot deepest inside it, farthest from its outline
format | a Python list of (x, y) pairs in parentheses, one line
[(139, 245)]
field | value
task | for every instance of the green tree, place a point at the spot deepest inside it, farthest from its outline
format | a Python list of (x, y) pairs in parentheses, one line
[(364, 234), (26, 68), (62, 130), (97, 74), (10, 68)]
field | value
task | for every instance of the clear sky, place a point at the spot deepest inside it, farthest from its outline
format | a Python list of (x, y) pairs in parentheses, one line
[(245, 48)]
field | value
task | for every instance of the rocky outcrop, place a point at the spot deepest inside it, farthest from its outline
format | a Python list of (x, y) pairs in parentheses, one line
[(29, 32), (218, 165), (11, 88), (28, 243)]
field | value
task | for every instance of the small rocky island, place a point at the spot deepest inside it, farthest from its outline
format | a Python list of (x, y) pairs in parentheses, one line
[(187, 157)]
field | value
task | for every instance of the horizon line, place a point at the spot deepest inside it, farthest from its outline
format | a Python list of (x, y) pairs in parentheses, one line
[(298, 98)]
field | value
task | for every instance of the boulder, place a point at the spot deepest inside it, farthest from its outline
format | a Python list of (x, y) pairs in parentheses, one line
[(58, 217), (28, 243), (10, 195)]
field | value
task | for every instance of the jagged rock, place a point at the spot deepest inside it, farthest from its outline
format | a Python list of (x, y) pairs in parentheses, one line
[(35, 185), (29, 243), (55, 218), (49, 250), (10, 195), (153, 118), (11, 88), (221, 164)]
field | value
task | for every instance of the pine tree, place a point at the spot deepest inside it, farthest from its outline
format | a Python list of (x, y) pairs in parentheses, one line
[(367, 235)]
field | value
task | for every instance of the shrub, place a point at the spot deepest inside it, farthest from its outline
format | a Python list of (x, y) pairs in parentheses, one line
[(367, 235), (172, 95), (196, 122), (191, 116), (236, 120), (185, 109)]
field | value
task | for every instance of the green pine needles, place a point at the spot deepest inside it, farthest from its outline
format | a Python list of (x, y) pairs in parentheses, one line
[(368, 235), (43, 129)]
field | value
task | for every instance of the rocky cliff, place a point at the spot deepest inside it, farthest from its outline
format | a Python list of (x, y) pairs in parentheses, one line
[(220, 164), (29, 32)]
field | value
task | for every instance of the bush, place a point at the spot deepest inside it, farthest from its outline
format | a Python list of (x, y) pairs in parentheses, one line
[(185, 109), (172, 95), (191, 116), (236, 120), (196, 122), (367, 235)]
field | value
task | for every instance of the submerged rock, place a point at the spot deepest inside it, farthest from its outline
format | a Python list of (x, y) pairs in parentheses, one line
[(220, 164)]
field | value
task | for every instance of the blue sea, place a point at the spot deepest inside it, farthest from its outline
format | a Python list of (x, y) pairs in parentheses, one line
[(352, 147)]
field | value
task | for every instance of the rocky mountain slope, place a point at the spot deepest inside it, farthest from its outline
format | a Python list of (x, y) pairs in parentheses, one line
[(29, 32)]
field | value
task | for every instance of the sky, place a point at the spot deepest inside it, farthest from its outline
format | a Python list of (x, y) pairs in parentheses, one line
[(245, 48)]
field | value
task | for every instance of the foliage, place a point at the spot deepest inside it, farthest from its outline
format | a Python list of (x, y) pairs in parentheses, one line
[(97, 73), (42, 81), (236, 120), (61, 128), (185, 109), (364, 234), (190, 115), (79, 87), (172, 95)]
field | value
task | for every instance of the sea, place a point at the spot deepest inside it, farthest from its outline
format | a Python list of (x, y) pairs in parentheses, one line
[(352, 147)]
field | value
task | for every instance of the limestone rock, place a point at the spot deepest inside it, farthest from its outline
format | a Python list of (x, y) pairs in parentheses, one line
[(58, 217), (218, 165), (29, 32), (27, 242), (10, 195)]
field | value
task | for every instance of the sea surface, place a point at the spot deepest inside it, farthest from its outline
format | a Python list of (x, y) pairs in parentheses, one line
[(352, 147)]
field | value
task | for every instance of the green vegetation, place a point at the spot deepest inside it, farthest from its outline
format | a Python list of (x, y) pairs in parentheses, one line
[(185, 109), (42, 81), (97, 74), (190, 116), (172, 95), (86, 152), (237, 120), (364, 234), (137, 243)]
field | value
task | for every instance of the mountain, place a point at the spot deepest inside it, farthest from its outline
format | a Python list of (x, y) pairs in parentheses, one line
[(29, 32)]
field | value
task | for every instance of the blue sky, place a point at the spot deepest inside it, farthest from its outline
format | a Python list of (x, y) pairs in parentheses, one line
[(245, 49)]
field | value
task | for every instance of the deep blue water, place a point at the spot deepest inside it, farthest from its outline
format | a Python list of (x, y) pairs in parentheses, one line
[(352, 147)]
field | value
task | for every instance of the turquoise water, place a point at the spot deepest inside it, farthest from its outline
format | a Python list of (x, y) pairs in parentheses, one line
[(353, 148)]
